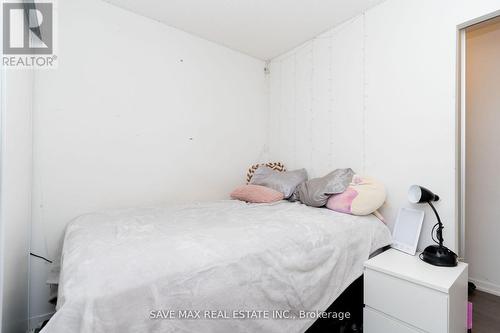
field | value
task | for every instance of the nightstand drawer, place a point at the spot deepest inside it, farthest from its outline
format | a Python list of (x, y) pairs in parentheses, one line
[(376, 322), (419, 306)]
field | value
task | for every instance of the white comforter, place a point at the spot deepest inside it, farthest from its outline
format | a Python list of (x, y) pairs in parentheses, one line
[(120, 268)]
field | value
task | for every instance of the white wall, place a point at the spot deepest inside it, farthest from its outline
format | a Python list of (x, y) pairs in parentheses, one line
[(378, 94), (137, 113), (482, 159), (317, 102), (15, 198)]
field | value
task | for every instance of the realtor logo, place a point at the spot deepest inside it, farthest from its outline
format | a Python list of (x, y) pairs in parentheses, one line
[(28, 29)]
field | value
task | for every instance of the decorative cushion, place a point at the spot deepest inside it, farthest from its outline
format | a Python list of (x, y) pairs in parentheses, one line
[(284, 182), (256, 194), (363, 197), (315, 192), (278, 166)]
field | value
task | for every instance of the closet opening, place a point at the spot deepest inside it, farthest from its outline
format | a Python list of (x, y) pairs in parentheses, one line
[(478, 161)]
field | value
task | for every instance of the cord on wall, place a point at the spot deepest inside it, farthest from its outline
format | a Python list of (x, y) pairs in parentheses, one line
[(37, 256)]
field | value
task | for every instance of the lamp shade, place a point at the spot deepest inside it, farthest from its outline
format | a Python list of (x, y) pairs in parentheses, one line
[(419, 194)]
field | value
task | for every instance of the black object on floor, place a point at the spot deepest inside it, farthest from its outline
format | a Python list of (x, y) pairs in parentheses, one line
[(471, 287), (351, 301), (42, 326)]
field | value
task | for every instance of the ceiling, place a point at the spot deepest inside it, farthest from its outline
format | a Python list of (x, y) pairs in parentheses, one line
[(261, 28)]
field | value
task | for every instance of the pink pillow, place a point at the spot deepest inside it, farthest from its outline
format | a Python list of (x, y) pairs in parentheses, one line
[(256, 194)]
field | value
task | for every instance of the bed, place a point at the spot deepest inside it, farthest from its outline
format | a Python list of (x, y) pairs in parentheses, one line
[(141, 269)]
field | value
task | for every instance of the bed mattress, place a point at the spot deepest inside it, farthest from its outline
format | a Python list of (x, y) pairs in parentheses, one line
[(224, 266)]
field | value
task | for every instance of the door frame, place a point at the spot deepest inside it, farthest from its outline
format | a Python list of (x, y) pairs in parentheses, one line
[(461, 112)]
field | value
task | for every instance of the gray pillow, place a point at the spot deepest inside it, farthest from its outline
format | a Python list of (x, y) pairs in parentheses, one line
[(315, 192), (284, 182)]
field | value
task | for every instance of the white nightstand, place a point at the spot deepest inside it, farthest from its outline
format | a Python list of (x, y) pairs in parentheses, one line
[(403, 294)]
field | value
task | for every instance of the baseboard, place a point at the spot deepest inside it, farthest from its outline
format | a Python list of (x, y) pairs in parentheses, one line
[(487, 287), (34, 322)]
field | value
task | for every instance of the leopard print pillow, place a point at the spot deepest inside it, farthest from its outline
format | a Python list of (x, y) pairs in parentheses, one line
[(278, 166)]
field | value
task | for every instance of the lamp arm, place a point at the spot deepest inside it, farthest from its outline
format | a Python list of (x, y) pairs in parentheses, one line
[(439, 231)]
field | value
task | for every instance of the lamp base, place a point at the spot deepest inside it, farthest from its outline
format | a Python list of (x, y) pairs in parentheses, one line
[(439, 256)]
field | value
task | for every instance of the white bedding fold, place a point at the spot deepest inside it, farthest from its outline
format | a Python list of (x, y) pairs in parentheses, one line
[(118, 266)]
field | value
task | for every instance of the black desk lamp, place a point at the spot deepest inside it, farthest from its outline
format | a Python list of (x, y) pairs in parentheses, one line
[(437, 255)]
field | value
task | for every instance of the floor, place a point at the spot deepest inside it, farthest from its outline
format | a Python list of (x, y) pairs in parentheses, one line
[(486, 316)]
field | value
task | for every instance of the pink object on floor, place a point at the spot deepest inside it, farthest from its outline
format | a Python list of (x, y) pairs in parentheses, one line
[(469, 316)]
